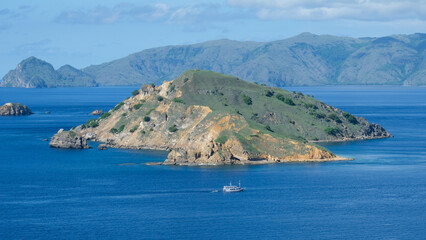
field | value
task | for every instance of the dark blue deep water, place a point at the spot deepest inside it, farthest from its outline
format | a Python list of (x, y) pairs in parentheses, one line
[(88, 194)]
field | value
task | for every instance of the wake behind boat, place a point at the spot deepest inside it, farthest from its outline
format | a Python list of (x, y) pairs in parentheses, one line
[(232, 188)]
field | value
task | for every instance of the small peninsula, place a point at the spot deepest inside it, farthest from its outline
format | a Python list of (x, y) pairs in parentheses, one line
[(15, 109), (207, 118)]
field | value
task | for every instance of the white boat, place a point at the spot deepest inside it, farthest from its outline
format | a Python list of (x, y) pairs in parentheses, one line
[(232, 188)]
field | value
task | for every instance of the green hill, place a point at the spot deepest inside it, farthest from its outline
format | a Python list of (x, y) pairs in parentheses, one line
[(72, 77), (204, 117)]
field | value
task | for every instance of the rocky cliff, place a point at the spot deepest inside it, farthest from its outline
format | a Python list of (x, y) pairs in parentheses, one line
[(203, 117), (14, 109)]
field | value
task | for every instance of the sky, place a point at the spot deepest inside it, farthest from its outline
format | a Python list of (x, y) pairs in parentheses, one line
[(86, 32)]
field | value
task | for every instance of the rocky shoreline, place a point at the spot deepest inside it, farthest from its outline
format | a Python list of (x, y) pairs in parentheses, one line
[(63, 139), (351, 139)]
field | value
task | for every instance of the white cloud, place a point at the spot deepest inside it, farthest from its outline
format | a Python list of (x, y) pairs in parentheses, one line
[(366, 10), (108, 15), (185, 14)]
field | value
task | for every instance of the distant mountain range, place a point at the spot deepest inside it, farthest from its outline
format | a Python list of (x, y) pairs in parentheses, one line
[(303, 60)]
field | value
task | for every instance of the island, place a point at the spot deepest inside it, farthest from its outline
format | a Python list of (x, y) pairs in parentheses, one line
[(15, 109), (207, 118)]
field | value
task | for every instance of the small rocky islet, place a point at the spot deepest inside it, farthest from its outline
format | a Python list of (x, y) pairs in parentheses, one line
[(68, 139), (97, 112), (207, 118), (15, 109)]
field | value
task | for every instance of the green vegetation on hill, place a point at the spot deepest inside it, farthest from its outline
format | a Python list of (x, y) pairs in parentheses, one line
[(285, 115)]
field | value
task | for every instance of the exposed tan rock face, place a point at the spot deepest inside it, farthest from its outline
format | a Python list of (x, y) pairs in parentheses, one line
[(14, 109)]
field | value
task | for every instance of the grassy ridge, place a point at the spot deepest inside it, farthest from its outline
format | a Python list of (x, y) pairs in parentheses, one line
[(282, 113)]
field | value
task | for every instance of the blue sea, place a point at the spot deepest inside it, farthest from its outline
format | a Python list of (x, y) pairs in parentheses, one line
[(50, 193)]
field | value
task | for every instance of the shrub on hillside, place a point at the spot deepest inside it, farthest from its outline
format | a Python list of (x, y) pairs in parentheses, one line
[(247, 100), (351, 118), (134, 128), (178, 100), (334, 117), (332, 131), (92, 123), (267, 127), (118, 106), (137, 106), (319, 115), (310, 105), (172, 88), (280, 97), (269, 93), (300, 139), (135, 92), (289, 102), (222, 139), (149, 111), (173, 128), (105, 115), (121, 128)]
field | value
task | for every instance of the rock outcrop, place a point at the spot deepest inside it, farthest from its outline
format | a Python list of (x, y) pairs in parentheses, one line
[(206, 118), (14, 109), (97, 112), (102, 147), (68, 139)]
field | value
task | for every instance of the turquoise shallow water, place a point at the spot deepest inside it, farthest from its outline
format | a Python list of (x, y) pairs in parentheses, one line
[(85, 194)]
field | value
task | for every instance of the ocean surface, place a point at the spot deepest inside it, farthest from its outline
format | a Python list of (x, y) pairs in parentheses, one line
[(50, 193)]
